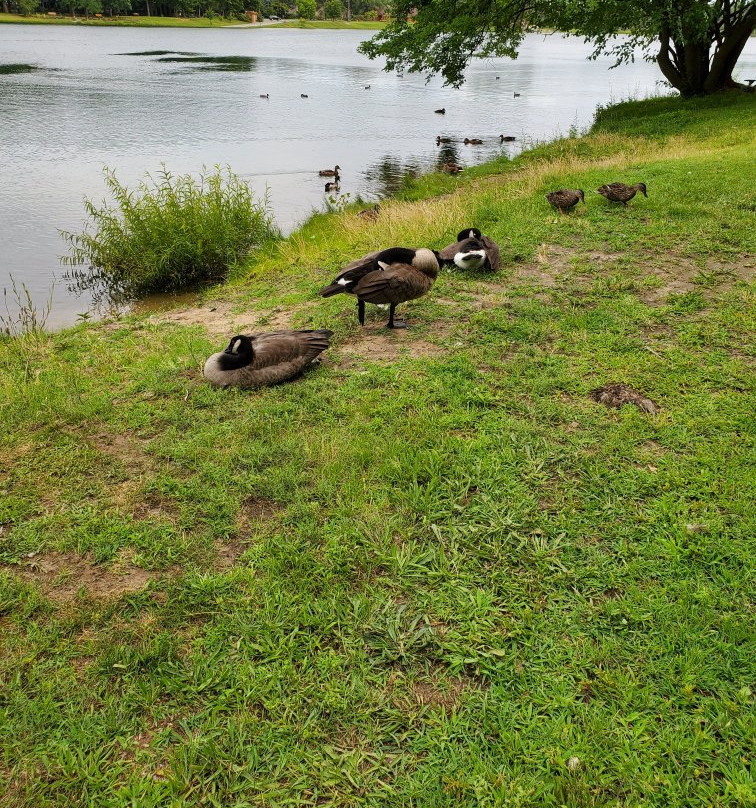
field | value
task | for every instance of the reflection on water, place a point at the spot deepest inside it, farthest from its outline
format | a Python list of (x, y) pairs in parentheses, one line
[(232, 63), (13, 69), (203, 107)]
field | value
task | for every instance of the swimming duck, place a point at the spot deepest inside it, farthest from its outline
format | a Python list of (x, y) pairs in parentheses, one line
[(266, 95), (451, 168), (473, 250), (507, 138), (333, 186), (517, 95), (619, 192), (370, 213), (441, 111), (392, 276), (329, 172), (440, 140), (367, 86), (564, 199), (472, 141), (303, 95), (258, 360)]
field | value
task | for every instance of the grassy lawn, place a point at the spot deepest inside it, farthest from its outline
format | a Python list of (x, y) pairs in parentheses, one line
[(355, 24), (432, 572), (141, 21)]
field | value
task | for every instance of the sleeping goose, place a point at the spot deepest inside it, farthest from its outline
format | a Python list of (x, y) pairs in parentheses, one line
[(565, 199), (619, 192), (329, 172), (473, 250), (391, 276), (258, 360)]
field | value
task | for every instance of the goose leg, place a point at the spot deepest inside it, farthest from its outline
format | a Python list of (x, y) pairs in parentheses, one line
[(391, 323), (361, 311)]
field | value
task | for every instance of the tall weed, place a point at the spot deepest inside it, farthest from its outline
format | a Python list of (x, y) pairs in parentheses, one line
[(171, 233)]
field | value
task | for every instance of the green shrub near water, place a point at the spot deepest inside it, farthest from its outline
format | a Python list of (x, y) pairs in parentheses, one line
[(172, 233)]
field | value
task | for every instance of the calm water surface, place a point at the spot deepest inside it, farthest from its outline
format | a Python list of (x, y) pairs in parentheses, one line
[(92, 105)]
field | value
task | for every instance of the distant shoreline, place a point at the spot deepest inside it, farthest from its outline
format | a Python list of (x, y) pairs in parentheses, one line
[(184, 22)]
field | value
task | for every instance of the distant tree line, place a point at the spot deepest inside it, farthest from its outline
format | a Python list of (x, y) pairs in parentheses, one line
[(306, 9)]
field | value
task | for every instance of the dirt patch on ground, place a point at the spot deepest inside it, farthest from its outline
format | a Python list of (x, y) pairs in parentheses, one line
[(389, 346), (60, 576), (221, 320), (254, 512), (127, 448), (228, 553), (433, 691)]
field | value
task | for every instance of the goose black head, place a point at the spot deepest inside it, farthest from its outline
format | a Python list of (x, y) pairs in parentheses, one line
[(238, 353), (470, 232), (642, 188)]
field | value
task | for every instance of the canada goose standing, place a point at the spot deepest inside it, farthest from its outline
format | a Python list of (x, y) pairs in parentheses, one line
[(329, 172), (619, 192), (473, 250), (258, 360), (507, 138), (565, 199), (392, 276), (441, 111), (472, 141)]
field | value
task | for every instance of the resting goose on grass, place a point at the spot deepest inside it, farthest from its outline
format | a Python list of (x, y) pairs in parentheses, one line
[(392, 276), (258, 360), (473, 250)]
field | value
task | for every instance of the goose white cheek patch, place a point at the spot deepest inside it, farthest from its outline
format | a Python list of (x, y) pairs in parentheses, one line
[(343, 282), (470, 260)]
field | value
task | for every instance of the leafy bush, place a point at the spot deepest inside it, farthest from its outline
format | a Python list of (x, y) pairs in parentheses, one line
[(172, 233)]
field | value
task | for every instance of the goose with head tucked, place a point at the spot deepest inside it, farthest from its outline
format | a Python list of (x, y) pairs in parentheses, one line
[(473, 250), (392, 276), (259, 360), (619, 192), (565, 199)]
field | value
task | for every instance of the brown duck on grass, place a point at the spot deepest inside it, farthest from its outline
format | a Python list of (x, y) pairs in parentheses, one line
[(565, 199), (451, 168), (370, 213), (258, 360), (392, 276), (619, 192), (329, 172), (473, 250)]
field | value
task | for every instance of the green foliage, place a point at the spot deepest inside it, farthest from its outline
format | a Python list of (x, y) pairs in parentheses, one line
[(430, 36), (25, 7), (171, 233), (306, 9), (333, 10)]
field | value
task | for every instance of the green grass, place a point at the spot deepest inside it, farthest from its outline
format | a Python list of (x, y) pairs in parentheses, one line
[(336, 24), (459, 582), (140, 21)]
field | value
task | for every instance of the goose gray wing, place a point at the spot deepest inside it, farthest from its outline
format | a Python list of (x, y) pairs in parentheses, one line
[(280, 347), (492, 251)]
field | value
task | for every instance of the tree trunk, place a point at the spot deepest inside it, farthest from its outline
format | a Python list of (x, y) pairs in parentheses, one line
[(6, 10), (688, 68)]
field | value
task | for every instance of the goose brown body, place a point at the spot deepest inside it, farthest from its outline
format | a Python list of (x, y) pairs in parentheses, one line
[(392, 276), (329, 172), (619, 192), (565, 199), (473, 250), (259, 360)]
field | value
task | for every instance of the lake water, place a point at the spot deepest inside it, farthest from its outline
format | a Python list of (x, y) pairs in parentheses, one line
[(91, 105)]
